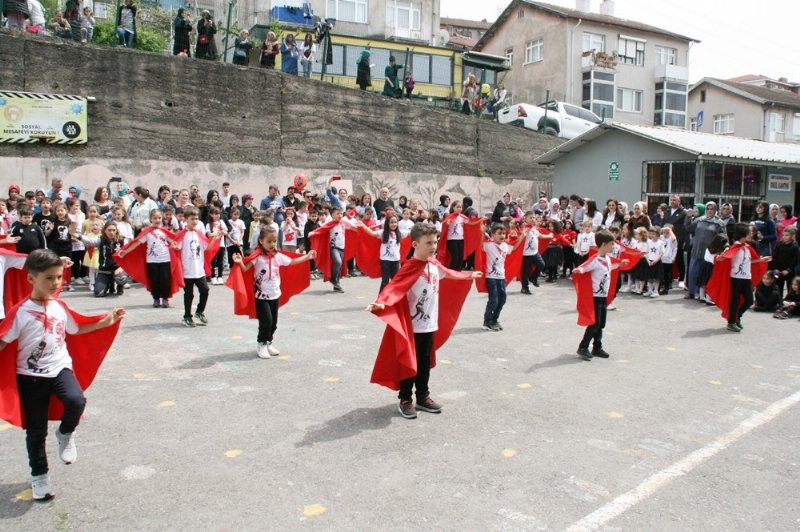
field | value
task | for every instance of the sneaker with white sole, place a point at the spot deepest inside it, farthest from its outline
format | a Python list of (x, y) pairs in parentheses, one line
[(201, 318), (272, 350), (67, 450), (261, 351), (653, 294), (406, 409), (429, 405), (41, 488)]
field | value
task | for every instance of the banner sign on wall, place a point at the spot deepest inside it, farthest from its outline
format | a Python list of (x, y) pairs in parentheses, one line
[(779, 183), (28, 117)]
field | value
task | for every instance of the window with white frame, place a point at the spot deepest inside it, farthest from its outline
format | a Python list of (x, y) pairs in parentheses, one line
[(629, 100), (598, 93), (594, 41), (666, 55), (671, 101), (347, 10), (796, 125), (510, 55), (403, 15), (534, 51), (724, 124), (631, 51), (776, 122)]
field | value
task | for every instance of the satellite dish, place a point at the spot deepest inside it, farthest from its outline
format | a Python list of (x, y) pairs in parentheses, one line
[(444, 37)]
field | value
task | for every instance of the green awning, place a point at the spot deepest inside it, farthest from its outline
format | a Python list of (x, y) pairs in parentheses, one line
[(491, 62)]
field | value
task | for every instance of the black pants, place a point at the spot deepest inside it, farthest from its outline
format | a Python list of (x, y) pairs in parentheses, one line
[(532, 266), (160, 279), (231, 251), (389, 269), (456, 250), (571, 260), (78, 270), (741, 299), (267, 313), (104, 282), (594, 332), (217, 263), (680, 260), (666, 278), (423, 345), (34, 394), (188, 295)]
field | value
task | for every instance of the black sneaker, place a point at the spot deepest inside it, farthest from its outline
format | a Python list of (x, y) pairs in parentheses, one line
[(487, 326), (406, 409), (338, 288), (189, 322), (733, 328), (201, 318), (429, 405), (526, 291), (584, 353), (739, 324), (535, 283), (600, 353), (497, 326)]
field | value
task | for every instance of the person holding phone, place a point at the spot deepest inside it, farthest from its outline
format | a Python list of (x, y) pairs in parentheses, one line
[(206, 47)]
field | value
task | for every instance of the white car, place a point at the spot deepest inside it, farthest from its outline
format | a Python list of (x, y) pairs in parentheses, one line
[(562, 120)]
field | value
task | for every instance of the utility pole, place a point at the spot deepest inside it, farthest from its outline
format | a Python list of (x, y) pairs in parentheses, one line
[(227, 31)]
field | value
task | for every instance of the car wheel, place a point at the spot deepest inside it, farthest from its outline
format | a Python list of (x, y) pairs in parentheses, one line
[(550, 131)]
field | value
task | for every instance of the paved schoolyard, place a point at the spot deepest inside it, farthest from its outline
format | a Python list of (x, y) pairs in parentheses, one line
[(686, 427)]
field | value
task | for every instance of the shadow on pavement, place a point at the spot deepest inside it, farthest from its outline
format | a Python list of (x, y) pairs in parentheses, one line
[(10, 506), (703, 333), (350, 424), (469, 330), (149, 326), (207, 362), (561, 360)]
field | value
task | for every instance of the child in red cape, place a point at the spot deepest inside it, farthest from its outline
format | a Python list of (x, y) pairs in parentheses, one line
[(382, 251), (263, 282), (196, 254), (461, 236), (154, 264), (732, 279), (44, 368), (333, 251), (592, 281), (500, 262), (409, 344)]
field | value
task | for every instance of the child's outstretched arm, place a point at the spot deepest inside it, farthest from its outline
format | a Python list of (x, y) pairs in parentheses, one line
[(376, 234), (110, 319), (311, 255), (133, 245), (521, 239), (237, 259)]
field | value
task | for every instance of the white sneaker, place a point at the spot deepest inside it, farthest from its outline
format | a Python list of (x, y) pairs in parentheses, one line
[(79, 280), (653, 294), (67, 450), (624, 289), (272, 350), (612, 306), (220, 281), (261, 351), (41, 488), (681, 285), (126, 286)]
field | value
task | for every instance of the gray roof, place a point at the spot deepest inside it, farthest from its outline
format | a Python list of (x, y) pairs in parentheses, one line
[(568, 13), (724, 147), (756, 93)]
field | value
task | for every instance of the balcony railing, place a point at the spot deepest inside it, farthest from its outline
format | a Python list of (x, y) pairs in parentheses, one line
[(674, 72)]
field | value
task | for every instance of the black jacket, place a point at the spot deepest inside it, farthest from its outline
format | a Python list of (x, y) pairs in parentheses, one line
[(678, 222)]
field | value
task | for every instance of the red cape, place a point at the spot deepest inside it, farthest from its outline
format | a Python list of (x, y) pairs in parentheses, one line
[(294, 279), (87, 352), (135, 262), (513, 265), (321, 243), (397, 358), (212, 247), (718, 287), (16, 285), (631, 254), (585, 293), (368, 253), (473, 236)]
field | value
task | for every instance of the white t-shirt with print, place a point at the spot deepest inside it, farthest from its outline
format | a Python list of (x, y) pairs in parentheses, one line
[(423, 300), (496, 259), (268, 275), (236, 233), (405, 226), (289, 234), (337, 232), (41, 330), (531, 243), (600, 270), (390, 250), (192, 255), (655, 249), (740, 264), (584, 242), (455, 229), (157, 246)]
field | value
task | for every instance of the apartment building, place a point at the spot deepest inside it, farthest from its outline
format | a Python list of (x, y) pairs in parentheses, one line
[(621, 69), (754, 107), (462, 34)]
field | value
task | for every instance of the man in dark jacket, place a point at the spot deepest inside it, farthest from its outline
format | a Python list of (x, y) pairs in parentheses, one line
[(676, 216)]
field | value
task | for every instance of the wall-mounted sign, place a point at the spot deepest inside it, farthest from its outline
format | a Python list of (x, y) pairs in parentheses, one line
[(779, 183), (28, 117), (613, 171)]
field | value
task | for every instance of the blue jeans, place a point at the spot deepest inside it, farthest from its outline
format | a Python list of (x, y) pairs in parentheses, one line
[(337, 256), (125, 37), (497, 298), (694, 269)]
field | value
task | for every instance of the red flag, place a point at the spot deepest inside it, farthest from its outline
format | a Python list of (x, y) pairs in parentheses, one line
[(368, 252), (15, 279), (633, 256), (397, 359), (718, 287), (294, 279), (87, 352), (135, 261), (473, 236), (320, 240)]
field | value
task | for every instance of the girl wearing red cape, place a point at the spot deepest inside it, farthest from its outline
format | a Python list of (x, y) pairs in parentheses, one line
[(263, 282), (736, 272), (408, 348), (461, 236), (382, 257)]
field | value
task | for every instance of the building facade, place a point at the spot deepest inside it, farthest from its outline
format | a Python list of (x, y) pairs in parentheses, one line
[(462, 34), (761, 109), (620, 69)]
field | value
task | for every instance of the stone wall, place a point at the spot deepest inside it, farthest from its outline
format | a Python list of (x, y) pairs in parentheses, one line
[(167, 112)]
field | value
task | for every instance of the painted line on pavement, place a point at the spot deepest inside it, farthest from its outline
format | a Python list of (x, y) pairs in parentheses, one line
[(648, 487)]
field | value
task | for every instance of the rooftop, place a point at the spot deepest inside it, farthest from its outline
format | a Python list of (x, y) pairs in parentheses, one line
[(757, 93), (465, 23), (698, 144), (568, 13)]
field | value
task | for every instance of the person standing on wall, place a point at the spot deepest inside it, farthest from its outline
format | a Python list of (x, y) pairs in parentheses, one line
[(126, 24), (289, 55), (391, 87), (182, 27), (206, 48)]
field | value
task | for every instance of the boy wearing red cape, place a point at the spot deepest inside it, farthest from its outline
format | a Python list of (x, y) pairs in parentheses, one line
[(196, 253), (44, 369), (263, 282), (329, 243), (415, 324), (593, 282), (500, 262), (736, 272)]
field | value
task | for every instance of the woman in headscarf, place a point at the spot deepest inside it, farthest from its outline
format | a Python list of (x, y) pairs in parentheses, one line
[(75, 193), (364, 72), (206, 47), (269, 50), (182, 27), (122, 193)]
